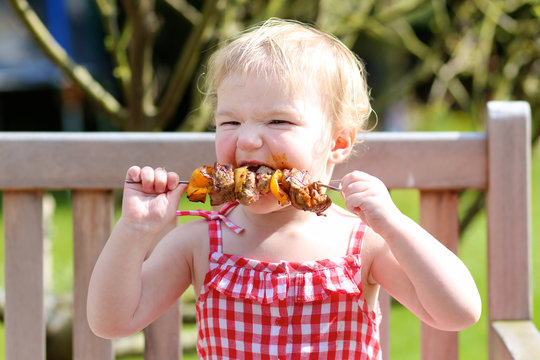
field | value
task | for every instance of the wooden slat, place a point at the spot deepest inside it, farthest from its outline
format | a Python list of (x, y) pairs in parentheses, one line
[(92, 222), (516, 340), (95, 160), (422, 160), (162, 337), (508, 210), (24, 314), (384, 330), (439, 216), (411, 160)]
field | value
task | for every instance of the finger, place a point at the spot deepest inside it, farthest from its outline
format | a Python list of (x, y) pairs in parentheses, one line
[(160, 180), (134, 174), (354, 187), (354, 205), (172, 180), (354, 176), (147, 179), (359, 181), (349, 179), (174, 196)]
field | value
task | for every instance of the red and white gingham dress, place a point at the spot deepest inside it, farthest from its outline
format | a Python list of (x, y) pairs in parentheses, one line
[(251, 309)]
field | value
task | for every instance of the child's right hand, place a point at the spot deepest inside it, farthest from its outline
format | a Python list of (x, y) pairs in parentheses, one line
[(152, 203)]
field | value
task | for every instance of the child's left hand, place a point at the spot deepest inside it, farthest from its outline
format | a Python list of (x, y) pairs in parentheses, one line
[(368, 197)]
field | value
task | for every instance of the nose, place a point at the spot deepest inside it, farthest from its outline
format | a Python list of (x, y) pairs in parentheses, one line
[(249, 138)]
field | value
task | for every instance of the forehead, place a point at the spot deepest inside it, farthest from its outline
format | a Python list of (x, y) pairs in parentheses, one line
[(256, 98), (260, 89)]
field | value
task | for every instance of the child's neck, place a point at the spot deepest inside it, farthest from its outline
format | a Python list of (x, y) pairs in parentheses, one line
[(286, 216), (288, 234)]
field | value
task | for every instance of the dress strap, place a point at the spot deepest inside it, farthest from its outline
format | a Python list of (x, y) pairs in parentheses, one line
[(357, 237), (214, 219)]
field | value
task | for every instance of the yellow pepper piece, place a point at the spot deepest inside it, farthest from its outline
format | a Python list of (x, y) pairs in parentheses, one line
[(200, 184), (276, 190), (240, 176)]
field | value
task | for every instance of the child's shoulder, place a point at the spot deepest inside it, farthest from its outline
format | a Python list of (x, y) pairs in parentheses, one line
[(188, 238), (192, 230)]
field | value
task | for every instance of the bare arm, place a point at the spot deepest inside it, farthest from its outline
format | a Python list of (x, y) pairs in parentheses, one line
[(409, 263), (127, 291)]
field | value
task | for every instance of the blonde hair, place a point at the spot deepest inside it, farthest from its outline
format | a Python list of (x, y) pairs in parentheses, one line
[(294, 52)]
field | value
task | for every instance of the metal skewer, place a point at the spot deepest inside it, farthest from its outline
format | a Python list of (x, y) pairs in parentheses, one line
[(330, 186), (187, 182), (138, 182)]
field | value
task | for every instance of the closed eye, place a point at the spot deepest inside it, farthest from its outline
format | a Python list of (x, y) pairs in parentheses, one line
[(279, 122), (230, 123)]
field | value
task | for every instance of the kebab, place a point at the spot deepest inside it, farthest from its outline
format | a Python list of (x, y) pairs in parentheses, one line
[(246, 184)]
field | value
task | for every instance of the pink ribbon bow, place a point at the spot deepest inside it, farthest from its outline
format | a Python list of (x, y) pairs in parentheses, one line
[(215, 216)]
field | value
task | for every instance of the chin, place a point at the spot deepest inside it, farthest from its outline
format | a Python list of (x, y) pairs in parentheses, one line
[(266, 204)]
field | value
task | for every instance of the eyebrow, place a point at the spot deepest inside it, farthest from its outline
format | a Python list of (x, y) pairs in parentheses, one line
[(226, 113), (277, 112)]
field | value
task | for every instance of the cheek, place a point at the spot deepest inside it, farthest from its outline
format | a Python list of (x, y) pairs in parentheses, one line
[(284, 150), (295, 152), (225, 149)]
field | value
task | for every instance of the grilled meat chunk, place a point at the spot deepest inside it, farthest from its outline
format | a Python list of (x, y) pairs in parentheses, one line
[(223, 189), (303, 194), (262, 177)]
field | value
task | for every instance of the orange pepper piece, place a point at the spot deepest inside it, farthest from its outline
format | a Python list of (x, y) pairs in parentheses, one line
[(200, 184), (276, 189)]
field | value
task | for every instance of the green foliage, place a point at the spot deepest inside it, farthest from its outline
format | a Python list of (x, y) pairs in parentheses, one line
[(454, 55)]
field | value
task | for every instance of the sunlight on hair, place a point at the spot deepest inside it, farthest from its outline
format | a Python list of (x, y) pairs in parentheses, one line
[(302, 56)]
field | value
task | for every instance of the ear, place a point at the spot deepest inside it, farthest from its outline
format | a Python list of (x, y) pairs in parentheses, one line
[(342, 146)]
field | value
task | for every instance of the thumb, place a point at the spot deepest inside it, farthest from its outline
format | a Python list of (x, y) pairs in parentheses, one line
[(175, 195)]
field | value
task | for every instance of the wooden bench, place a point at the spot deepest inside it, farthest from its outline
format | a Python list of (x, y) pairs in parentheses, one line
[(440, 165)]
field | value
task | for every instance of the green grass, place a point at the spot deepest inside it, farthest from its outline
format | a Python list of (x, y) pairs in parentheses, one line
[(405, 327)]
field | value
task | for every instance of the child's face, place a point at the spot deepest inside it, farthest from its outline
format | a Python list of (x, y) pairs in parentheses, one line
[(259, 120)]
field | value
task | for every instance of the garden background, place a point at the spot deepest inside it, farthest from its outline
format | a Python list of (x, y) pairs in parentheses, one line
[(127, 65)]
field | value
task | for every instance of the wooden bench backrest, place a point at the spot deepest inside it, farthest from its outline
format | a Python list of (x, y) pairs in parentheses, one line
[(440, 165)]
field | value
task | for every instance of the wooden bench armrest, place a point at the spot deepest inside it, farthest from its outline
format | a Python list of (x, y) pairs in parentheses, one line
[(520, 338)]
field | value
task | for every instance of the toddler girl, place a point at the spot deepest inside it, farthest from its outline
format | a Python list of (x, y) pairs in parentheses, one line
[(272, 281)]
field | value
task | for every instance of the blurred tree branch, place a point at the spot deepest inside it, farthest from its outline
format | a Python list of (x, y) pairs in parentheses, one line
[(131, 43), (79, 74), (186, 63)]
